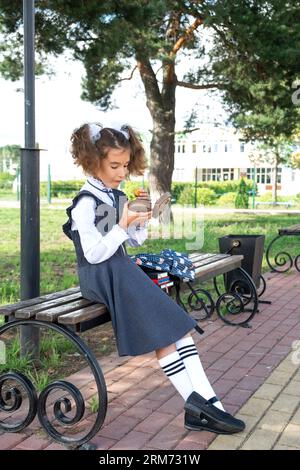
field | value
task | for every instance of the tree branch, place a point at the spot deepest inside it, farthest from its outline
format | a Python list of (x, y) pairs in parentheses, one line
[(179, 43), (200, 87), (131, 75)]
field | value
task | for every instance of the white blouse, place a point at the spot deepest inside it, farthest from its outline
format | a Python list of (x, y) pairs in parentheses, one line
[(96, 247)]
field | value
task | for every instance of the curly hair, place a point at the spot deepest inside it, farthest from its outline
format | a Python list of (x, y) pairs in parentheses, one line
[(88, 153)]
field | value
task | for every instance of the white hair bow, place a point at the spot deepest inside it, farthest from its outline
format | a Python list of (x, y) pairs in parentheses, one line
[(95, 130), (121, 128)]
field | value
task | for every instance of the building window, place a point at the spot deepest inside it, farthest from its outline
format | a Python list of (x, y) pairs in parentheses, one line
[(279, 175), (215, 147), (206, 148), (181, 148), (226, 147), (242, 147), (217, 174), (263, 175), (194, 147)]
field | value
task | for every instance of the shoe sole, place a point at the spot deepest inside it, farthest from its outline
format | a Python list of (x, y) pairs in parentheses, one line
[(200, 428)]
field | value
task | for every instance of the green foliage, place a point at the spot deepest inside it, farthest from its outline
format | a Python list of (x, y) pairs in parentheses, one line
[(39, 378), (223, 187), (62, 189), (177, 189), (6, 180), (10, 153), (94, 404), (205, 196), (242, 198), (227, 199), (131, 186), (253, 57), (256, 55), (13, 361)]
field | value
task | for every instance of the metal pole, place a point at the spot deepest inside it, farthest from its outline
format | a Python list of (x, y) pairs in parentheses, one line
[(30, 198), (196, 182), (18, 183), (49, 184), (253, 187)]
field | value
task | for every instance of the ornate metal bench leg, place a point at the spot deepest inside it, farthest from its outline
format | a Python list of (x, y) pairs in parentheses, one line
[(282, 259), (200, 299), (230, 305), (68, 410), (296, 261)]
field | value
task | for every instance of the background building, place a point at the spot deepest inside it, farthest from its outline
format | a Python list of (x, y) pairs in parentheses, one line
[(220, 154)]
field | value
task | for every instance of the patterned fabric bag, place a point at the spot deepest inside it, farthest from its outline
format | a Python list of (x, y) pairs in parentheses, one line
[(172, 261)]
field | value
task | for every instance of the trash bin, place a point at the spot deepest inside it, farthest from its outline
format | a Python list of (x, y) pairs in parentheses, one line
[(251, 247)]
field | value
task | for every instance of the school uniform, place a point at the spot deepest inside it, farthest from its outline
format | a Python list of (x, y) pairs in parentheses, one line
[(144, 318)]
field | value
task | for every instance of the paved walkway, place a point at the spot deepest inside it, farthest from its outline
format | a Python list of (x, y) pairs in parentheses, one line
[(255, 371)]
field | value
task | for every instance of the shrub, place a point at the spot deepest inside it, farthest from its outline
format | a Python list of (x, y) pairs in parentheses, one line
[(204, 196), (62, 189), (268, 197), (223, 187), (227, 199), (177, 189), (131, 186), (6, 180)]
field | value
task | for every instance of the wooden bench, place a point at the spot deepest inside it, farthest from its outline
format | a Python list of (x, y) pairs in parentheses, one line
[(68, 313), (283, 261)]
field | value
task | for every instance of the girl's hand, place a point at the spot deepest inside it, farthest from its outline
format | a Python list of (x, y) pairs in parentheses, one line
[(129, 217)]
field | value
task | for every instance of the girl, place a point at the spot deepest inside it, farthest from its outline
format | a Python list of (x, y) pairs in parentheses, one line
[(144, 318)]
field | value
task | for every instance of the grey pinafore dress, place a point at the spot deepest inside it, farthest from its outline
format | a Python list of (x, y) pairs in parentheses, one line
[(144, 318)]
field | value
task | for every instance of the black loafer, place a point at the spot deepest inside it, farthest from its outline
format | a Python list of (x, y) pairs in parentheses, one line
[(202, 415)]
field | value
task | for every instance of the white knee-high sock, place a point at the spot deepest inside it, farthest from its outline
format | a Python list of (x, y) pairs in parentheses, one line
[(175, 370), (190, 357)]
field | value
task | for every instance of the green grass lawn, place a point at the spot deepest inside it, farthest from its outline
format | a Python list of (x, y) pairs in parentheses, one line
[(58, 264)]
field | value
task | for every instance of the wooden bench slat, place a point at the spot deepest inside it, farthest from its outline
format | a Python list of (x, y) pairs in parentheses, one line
[(200, 256), (292, 230), (203, 273), (30, 312), (52, 314), (211, 259), (83, 314), (11, 308)]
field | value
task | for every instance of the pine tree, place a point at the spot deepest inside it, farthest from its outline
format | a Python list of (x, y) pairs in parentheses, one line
[(242, 198)]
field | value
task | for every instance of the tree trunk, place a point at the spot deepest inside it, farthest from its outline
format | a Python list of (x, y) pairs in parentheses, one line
[(162, 155), (161, 104)]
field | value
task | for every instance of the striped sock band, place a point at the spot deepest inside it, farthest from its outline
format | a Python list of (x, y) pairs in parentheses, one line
[(174, 368), (188, 352)]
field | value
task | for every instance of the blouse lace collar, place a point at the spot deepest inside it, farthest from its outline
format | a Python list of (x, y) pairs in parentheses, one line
[(98, 183)]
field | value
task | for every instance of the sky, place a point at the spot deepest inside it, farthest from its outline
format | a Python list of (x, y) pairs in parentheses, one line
[(59, 110)]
